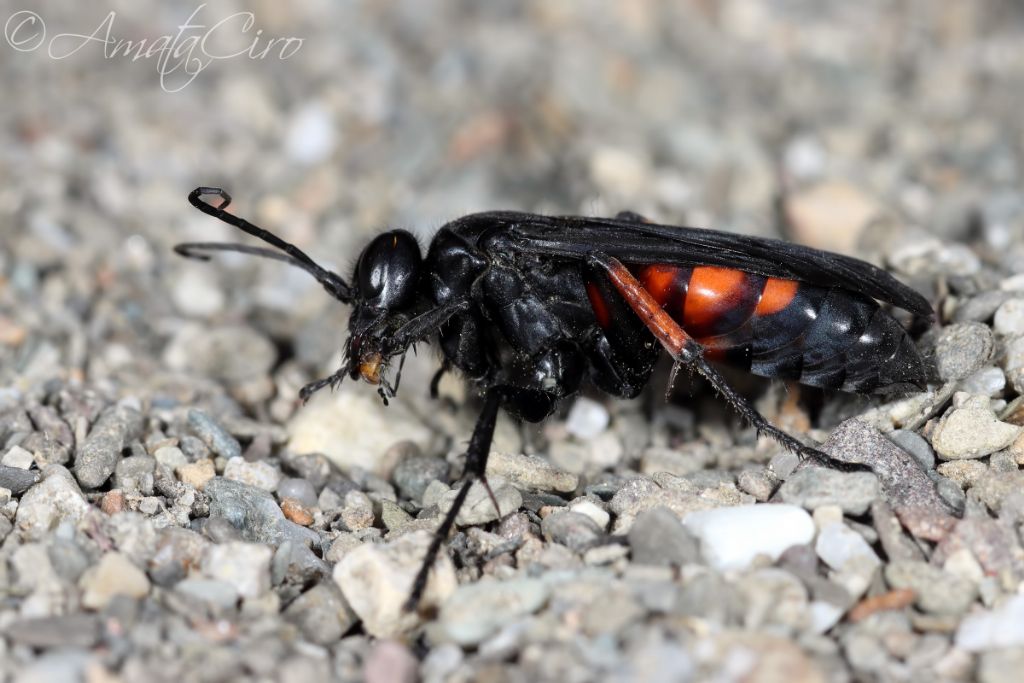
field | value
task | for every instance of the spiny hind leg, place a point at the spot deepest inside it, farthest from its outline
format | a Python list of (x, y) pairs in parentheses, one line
[(686, 351)]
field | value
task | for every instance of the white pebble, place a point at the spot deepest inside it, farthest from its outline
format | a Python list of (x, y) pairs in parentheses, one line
[(246, 566), (846, 551), (18, 457), (587, 419), (1009, 318), (991, 629), (732, 537)]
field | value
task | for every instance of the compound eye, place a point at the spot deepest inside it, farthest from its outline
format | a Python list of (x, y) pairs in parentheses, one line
[(387, 270)]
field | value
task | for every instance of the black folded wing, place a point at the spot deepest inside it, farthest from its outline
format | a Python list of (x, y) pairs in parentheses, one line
[(635, 243)]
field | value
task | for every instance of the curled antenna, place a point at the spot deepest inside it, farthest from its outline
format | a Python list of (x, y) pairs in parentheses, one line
[(289, 253)]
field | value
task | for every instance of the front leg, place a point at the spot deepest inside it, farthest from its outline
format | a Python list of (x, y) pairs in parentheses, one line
[(685, 350), (476, 464)]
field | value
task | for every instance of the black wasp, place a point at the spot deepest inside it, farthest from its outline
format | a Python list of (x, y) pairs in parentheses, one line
[(528, 307)]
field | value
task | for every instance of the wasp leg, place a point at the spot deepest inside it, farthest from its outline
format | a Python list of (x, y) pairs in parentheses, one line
[(306, 392), (476, 464), (685, 350)]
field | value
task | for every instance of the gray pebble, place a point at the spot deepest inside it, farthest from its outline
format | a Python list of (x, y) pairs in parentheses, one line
[(412, 475), (218, 594), (572, 529), (916, 445), (297, 489), (54, 499), (961, 349), (322, 614), (1013, 362), (135, 474), (193, 448), (98, 455), (981, 307), (658, 537), (221, 530), (531, 472), (757, 482), (936, 591), (297, 564), (255, 513), (476, 610), (68, 559), (813, 487), (213, 435), (904, 483), (17, 480), (987, 381), (72, 630)]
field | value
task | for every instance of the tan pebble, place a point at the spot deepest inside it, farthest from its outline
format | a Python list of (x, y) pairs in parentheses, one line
[(197, 473), (112, 502), (296, 512)]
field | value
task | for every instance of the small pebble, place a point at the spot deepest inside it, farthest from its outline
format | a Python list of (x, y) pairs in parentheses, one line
[(17, 457), (55, 499), (376, 579), (112, 502), (732, 537), (213, 435), (413, 474), (476, 610), (586, 506), (1009, 318), (197, 473), (322, 614), (961, 349), (99, 454), (246, 566), (935, 590), (587, 418), (812, 487), (114, 575), (259, 474), (972, 431), (478, 507), (357, 512), (572, 529), (531, 472), (296, 512), (657, 537), (299, 490), (846, 551), (1000, 627)]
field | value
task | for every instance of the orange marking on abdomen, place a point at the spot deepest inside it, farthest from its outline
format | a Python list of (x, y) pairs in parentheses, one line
[(713, 291), (600, 306), (660, 281), (776, 296)]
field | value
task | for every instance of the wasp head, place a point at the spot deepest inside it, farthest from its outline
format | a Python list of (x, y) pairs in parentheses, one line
[(386, 282)]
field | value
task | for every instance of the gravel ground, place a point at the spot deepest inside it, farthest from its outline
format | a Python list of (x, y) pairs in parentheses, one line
[(169, 512)]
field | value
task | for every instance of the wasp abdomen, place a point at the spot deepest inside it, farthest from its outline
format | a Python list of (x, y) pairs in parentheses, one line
[(778, 328)]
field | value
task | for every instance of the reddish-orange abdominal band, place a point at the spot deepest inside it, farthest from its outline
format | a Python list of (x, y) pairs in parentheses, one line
[(661, 324)]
